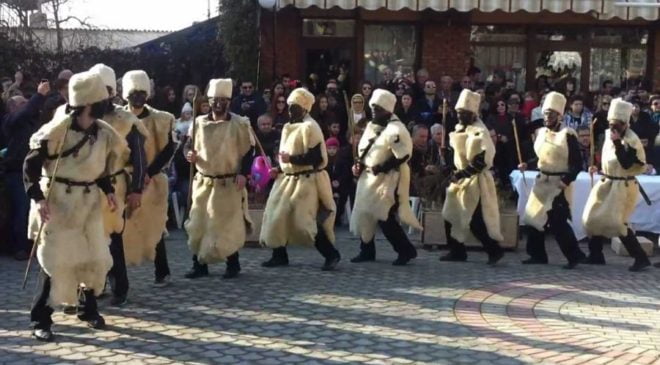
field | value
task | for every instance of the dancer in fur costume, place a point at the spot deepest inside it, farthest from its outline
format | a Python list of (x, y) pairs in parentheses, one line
[(222, 153), (384, 182), (471, 204), (145, 227), (73, 246), (558, 153), (300, 208), (127, 181), (612, 200)]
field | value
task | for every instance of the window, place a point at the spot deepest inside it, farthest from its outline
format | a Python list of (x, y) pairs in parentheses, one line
[(500, 48), (389, 51), (328, 28)]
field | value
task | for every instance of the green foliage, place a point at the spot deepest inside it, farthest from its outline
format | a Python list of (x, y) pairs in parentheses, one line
[(240, 37)]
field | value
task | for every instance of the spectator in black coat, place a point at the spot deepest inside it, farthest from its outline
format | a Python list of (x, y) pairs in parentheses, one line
[(642, 124), (21, 121), (427, 107), (405, 110), (248, 103)]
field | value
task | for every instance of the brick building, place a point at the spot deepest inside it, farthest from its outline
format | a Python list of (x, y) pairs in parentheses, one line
[(586, 40)]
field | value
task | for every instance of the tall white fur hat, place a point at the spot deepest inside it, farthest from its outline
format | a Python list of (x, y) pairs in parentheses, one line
[(107, 75), (620, 110), (86, 88), (136, 80), (469, 100), (383, 99), (301, 97), (554, 101), (220, 88)]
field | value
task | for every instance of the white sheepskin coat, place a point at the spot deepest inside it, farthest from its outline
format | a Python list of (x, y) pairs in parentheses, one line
[(464, 196), (376, 194), (73, 247), (552, 151), (219, 221), (612, 202), (297, 203), (146, 225), (122, 122)]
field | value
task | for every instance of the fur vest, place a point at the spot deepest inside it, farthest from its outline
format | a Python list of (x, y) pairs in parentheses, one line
[(612, 202), (146, 225), (219, 219), (552, 151), (123, 122), (297, 203), (73, 248), (464, 196), (376, 194)]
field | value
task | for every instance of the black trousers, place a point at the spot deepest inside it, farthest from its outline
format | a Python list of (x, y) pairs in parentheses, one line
[(629, 241), (161, 266), (41, 312), (118, 271), (558, 217), (479, 230), (321, 242), (395, 234)]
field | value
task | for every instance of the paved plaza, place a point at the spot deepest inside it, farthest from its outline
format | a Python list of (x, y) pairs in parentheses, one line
[(426, 313)]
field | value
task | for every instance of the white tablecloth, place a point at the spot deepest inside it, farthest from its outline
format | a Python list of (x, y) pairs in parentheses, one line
[(645, 218)]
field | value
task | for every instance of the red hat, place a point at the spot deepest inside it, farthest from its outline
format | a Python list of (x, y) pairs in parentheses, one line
[(332, 142)]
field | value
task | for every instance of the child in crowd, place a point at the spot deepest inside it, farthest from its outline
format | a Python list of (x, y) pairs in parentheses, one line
[(332, 145)]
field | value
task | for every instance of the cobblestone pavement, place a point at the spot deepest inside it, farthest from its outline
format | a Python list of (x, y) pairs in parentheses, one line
[(375, 313)]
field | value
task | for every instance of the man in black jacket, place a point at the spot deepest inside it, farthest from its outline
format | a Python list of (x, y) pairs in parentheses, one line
[(21, 121)]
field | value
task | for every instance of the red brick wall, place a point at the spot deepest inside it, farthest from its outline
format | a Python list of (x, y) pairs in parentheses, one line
[(288, 48), (444, 49)]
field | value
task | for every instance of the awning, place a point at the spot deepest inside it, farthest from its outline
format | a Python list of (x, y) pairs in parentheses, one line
[(603, 9)]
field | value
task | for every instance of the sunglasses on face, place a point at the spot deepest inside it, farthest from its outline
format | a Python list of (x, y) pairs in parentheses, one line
[(606, 104), (656, 103), (366, 87)]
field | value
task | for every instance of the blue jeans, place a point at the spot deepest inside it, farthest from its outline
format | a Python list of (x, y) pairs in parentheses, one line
[(19, 209)]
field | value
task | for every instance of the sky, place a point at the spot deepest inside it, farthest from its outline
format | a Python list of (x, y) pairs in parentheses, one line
[(141, 14)]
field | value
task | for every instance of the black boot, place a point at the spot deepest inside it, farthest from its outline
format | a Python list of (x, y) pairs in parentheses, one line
[(331, 262), (639, 265), (367, 253), (453, 257), (88, 311), (403, 259), (43, 334), (198, 270), (534, 261), (494, 258), (280, 258), (233, 267)]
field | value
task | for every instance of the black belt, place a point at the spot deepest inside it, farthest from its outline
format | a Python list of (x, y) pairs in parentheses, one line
[(304, 172), (547, 173), (645, 196), (113, 177), (70, 183), (624, 178), (219, 177)]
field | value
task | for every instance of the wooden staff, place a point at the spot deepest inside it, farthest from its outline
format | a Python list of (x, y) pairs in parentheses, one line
[(351, 125), (191, 176), (42, 223), (261, 148), (515, 136), (592, 149), (444, 124)]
